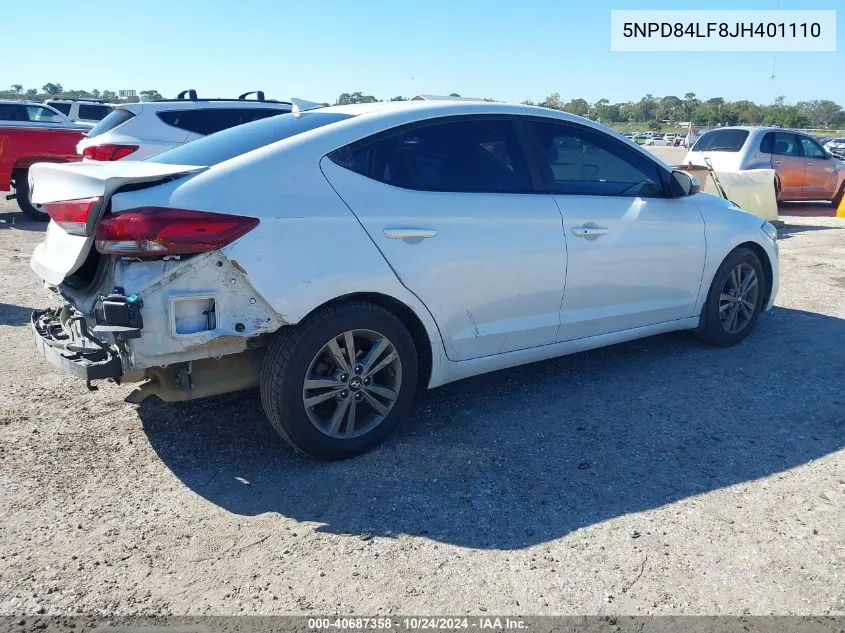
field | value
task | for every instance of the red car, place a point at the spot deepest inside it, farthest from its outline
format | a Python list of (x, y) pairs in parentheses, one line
[(33, 133)]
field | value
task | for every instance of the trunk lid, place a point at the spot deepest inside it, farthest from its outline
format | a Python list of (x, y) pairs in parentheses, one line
[(61, 254)]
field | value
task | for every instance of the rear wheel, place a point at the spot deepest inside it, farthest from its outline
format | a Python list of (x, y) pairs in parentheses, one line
[(22, 196), (735, 299), (338, 383)]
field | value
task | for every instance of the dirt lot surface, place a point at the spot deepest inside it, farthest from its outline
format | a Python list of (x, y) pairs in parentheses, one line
[(658, 476)]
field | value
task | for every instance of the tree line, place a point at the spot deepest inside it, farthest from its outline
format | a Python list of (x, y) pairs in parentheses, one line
[(57, 91), (818, 113)]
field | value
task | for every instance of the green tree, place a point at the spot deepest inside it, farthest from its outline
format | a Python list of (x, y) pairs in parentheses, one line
[(153, 95), (109, 95), (32, 93), (553, 101), (400, 98), (17, 88), (603, 110), (690, 104), (454, 94), (356, 97), (52, 89), (577, 106)]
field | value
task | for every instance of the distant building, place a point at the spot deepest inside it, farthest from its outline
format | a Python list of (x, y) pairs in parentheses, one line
[(443, 98)]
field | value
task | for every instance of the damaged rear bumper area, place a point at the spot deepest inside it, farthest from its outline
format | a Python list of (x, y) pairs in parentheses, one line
[(63, 338)]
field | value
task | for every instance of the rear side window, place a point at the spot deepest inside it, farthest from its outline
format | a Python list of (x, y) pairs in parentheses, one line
[(64, 108), (245, 138), (469, 156), (118, 116), (13, 112), (583, 162), (93, 112), (210, 120), (780, 143), (721, 141)]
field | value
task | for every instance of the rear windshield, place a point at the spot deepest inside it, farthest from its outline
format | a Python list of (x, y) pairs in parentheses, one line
[(241, 139), (116, 117), (721, 141)]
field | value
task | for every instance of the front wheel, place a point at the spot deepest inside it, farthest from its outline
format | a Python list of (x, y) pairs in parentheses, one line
[(338, 383), (735, 299), (22, 197)]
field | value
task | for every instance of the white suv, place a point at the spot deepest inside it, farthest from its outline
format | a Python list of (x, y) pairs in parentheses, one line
[(141, 130), (81, 110)]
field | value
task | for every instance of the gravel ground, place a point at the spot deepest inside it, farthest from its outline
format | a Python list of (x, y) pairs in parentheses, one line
[(658, 476)]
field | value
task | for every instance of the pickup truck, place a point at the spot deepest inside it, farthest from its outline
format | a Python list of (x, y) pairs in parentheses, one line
[(22, 145)]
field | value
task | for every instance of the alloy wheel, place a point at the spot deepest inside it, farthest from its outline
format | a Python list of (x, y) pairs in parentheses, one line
[(352, 383), (738, 298)]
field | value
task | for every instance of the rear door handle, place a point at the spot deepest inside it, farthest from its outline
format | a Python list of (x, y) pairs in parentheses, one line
[(588, 231), (409, 233)]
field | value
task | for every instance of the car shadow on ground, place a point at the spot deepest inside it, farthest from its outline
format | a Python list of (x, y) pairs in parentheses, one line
[(788, 230), (19, 221), (527, 455), (11, 314)]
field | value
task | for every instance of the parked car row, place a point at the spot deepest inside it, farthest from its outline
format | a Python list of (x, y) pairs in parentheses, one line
[(340, 258), (136, 130), (804, 169)]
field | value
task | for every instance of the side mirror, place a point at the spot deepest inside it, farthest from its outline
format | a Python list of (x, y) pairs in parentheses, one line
[(683, 184)]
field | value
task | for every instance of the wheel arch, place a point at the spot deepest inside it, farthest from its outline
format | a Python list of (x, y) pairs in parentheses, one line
[(409, 318), (763, 256)]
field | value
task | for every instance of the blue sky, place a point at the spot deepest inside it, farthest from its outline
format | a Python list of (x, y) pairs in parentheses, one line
[(505, 50)]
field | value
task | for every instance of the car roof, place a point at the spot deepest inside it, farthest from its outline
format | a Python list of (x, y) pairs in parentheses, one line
[(21, 102), (424, 109), (175, 104)]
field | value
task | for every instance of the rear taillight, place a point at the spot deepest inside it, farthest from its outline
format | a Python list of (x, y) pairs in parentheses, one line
[(108, 152), (159, 231), (72, 215)]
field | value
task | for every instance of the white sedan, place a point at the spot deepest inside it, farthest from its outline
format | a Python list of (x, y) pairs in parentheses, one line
[(343, 257)]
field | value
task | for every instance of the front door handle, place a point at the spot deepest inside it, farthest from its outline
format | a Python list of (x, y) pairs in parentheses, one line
[(409, 233), (777, 162), (588, 231)]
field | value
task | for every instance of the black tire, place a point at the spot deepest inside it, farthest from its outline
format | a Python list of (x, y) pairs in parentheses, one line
[(22, 196), (711, 329), (837, 199), (290, 357)]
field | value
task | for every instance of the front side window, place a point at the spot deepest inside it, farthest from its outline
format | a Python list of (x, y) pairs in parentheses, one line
[(581, 161), (460, 156), (37, 114), (811, 149)]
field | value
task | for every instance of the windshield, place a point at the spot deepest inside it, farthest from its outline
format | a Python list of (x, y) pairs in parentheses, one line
[(215, 148), (721, 141), (116, 117)]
